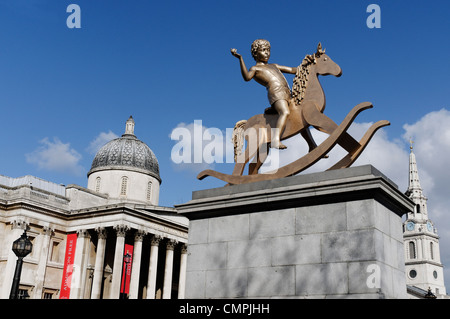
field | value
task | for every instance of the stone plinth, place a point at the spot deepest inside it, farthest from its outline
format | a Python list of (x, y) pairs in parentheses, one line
[(335, 234)]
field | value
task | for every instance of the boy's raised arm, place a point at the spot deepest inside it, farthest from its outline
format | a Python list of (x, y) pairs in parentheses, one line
[(247, 75)]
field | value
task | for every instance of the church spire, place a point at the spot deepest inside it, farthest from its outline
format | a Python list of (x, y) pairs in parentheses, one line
[(423, 267), (414, 191), (414, 182)]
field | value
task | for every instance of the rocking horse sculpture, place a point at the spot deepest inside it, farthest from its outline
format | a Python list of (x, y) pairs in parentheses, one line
[(291, 113)]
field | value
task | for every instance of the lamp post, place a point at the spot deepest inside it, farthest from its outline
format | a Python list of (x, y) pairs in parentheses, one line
[(126, 260), (21, 247)]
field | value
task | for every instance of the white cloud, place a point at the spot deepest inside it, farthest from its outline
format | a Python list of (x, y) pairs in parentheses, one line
[(389, 157), (56, 156), (198, 147), (100, 140), (385, 155), (431, 136)]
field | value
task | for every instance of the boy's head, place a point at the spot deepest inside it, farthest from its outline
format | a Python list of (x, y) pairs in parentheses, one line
[(257, 45)]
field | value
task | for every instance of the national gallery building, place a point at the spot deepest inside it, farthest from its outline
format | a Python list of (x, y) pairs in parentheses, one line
[(110, 240)]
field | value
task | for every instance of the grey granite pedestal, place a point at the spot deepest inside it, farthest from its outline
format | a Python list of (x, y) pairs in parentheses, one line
[(336, 234)]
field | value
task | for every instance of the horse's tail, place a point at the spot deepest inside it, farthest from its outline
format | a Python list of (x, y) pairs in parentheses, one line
[(238, 138)]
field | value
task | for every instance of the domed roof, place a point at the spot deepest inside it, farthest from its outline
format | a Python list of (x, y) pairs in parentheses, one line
[(126, 153)]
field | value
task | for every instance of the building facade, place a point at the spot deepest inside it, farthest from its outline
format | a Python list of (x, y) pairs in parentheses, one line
[(423, 267), (81, 236)]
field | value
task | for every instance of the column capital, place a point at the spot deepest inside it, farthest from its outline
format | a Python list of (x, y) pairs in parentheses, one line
[(155, 240), (121, 230), (184, 248), (101, 232), (139, 235), (171, 243), (19, 224), (48, 231), (83, 233)]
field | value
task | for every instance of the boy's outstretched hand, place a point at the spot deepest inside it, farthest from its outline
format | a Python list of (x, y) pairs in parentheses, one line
[(234, 52)]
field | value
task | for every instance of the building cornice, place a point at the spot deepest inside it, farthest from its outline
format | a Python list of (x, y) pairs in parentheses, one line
[(421, 235), (421, 262), (125, 168), (155, 218), (362, 182)]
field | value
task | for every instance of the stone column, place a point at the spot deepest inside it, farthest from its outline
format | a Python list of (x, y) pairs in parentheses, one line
[(167, 287), (99, 263), (151, 284), (79, 265), (118, 261), (17, 229), (136, 265), (182, 281), (42, 264)]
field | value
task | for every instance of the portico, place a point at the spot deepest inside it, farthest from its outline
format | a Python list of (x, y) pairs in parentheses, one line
[(157, 258)]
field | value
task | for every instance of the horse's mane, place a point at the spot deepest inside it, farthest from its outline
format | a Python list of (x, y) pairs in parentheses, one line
[(301, 77)]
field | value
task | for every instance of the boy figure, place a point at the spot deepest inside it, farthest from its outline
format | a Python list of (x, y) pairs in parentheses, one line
[(271, 77)]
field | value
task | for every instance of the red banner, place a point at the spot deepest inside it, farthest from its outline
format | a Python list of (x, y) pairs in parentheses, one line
[(68, 266), (126, 269)]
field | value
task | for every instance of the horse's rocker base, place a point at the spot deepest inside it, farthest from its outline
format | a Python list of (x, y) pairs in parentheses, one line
[(313, 156)]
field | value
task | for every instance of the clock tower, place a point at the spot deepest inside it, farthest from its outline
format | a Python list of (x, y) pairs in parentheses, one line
[(422, 257)]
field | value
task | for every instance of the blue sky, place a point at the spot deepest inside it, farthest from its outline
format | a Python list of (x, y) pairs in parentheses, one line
[(168, 63)]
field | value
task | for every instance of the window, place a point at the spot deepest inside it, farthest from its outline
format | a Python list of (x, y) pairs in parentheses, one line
[(123, 187), (55, 251), (418, 208), (149, 191), (47, 295), (431, 251), (412, 250), (97, 184)]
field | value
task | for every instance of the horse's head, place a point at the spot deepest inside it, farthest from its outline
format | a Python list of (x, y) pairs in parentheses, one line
[(317, 63), (324, 64)]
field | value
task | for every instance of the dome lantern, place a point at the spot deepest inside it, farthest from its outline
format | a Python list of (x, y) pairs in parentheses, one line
[(129, 127)]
